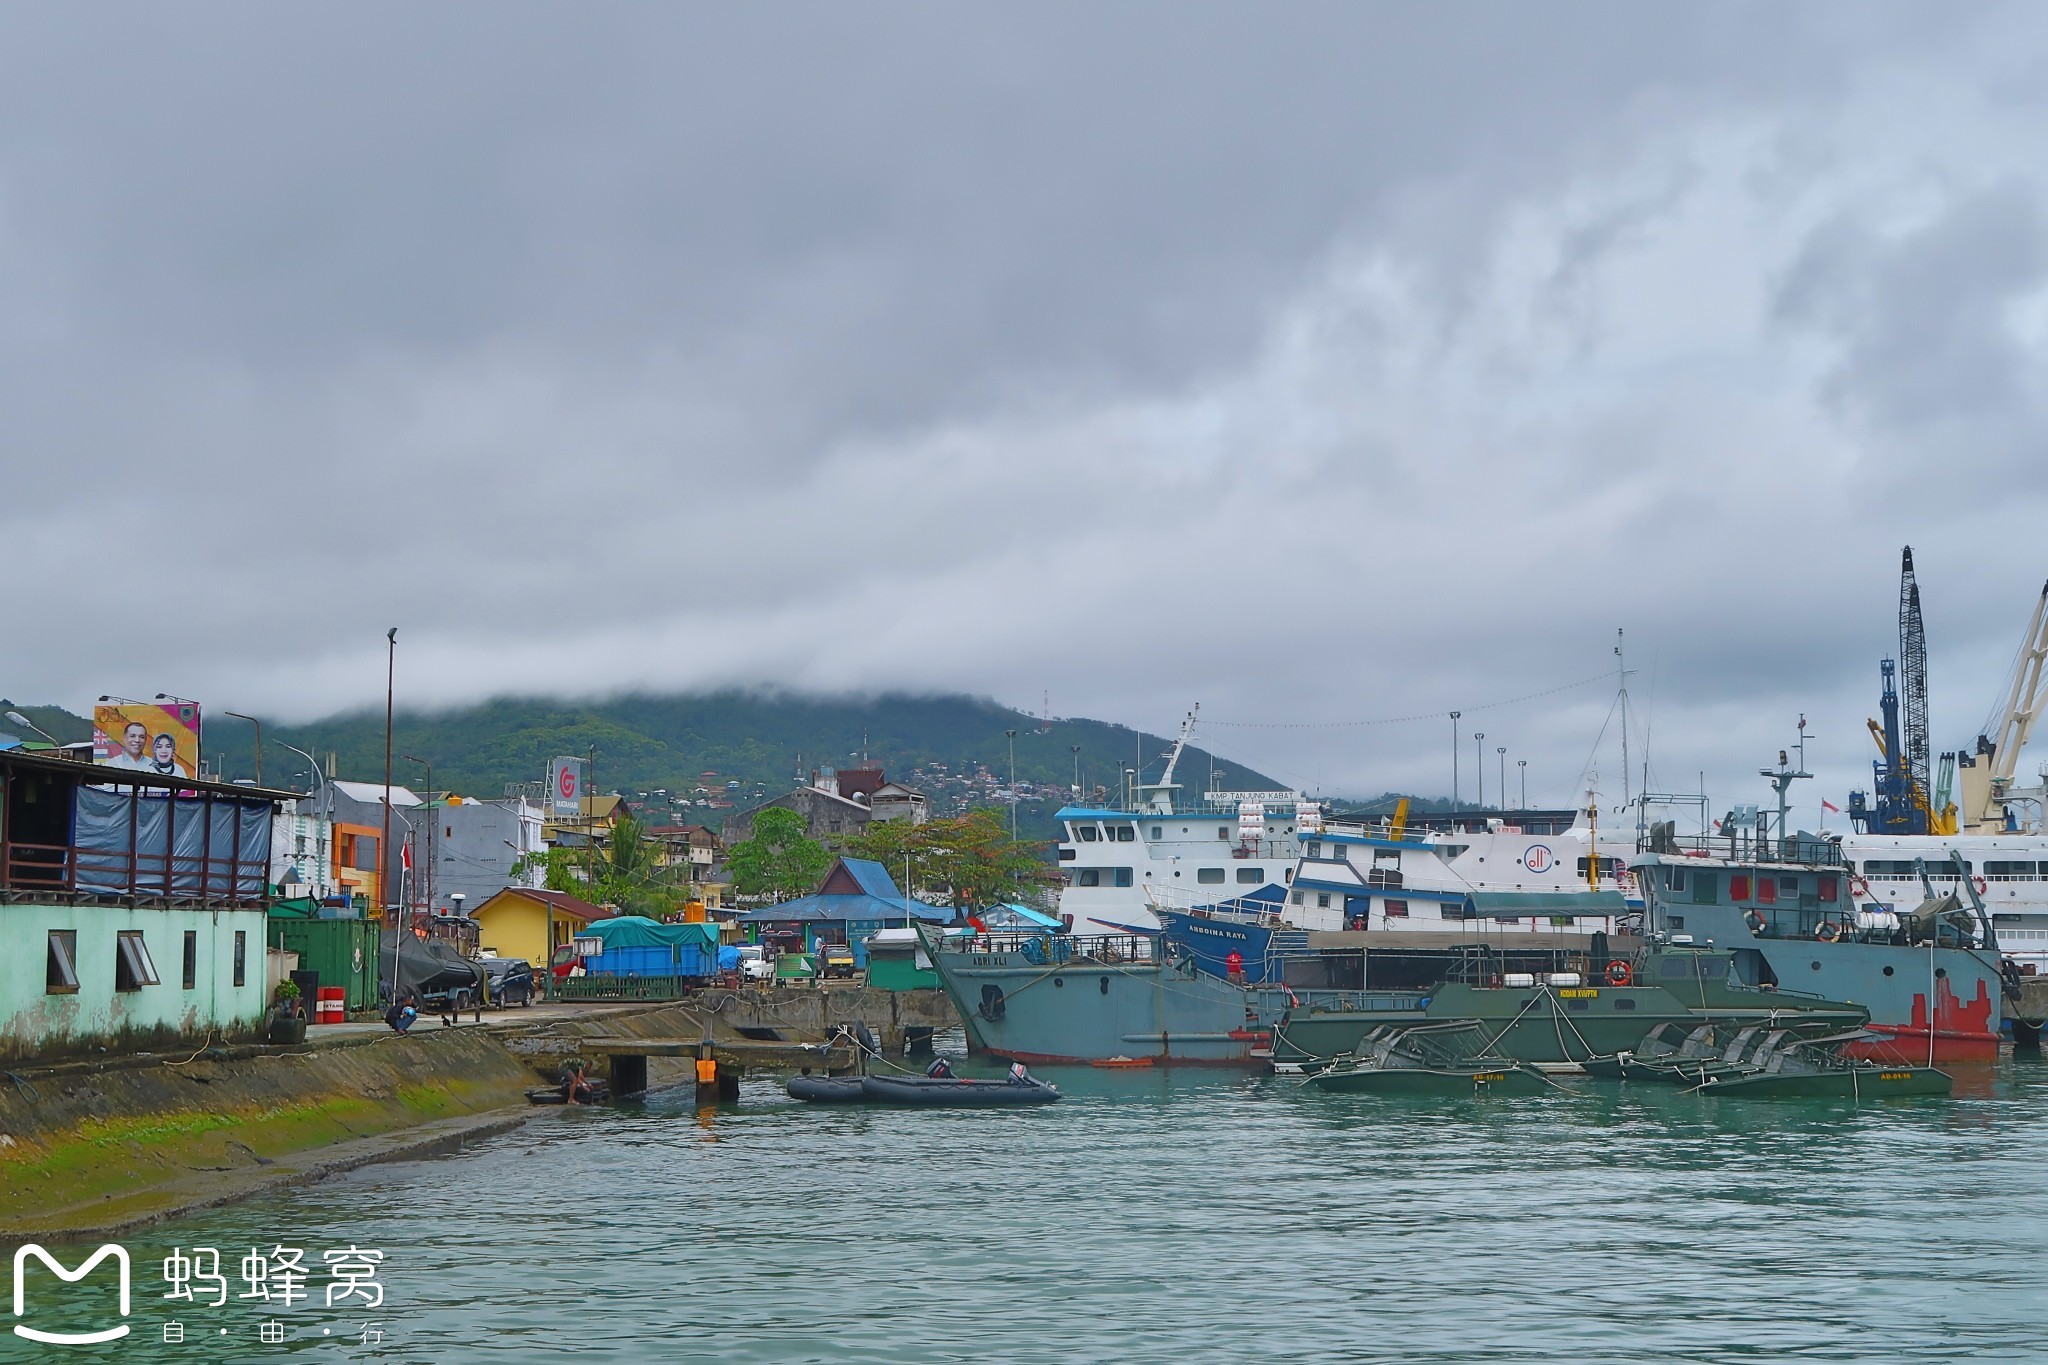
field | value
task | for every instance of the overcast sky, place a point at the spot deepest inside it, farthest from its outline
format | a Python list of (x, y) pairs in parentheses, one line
[(1315, 363)]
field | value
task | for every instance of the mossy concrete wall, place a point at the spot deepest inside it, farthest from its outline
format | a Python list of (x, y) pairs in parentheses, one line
[(94, 1146)]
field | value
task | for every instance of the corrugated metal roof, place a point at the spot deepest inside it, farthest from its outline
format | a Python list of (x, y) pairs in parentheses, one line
[(373, 792)]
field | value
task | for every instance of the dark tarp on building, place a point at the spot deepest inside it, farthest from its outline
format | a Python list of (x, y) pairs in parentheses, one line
[(144, 842)]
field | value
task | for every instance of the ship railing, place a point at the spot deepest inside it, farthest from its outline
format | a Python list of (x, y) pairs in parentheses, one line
[(1108, 949), (1746, 847)]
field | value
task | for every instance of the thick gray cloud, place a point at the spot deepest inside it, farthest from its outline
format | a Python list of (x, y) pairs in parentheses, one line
[(1328, 363)]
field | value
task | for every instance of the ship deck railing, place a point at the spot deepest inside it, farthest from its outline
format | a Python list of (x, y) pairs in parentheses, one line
[(1106, 949), (1747, 848)]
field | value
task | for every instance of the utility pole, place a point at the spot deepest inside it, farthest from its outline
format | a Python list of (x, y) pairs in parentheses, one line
[(1503, 752), (1479, 767), (1523, 763), (1011, 735), (384, 845)]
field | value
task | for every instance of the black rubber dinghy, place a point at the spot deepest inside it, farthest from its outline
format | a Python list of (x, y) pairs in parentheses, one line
[(826, 1089), (952, 1090)]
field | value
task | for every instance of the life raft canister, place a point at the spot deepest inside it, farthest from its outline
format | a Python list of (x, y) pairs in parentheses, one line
[(1619, 973)]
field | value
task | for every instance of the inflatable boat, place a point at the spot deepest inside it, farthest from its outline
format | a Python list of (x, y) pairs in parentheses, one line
[(953, 1090), (826, 1089)]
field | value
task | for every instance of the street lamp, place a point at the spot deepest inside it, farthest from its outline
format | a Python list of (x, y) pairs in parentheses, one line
[(1503, 752), (1454, 758), (1077, 768), (1523, 764), (16, 718), (1479, 767), (259, 740), (326, 815)]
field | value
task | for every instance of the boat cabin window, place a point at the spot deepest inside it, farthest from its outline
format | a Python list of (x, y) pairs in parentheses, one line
[(1341, 852), (1322, 900), (1223, 832), (1209, 876), (1608, 867), (1675, 968), (1088, 834), (1088, 876), (1396, 909), (1123, 875), (1124, 834), (1674, 879), (1297, 898), (2008, 871), (1251, 876), (1157, 832), (1315, 848)]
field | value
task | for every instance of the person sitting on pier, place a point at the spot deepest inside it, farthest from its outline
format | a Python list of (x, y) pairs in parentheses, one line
[(576, 1087)]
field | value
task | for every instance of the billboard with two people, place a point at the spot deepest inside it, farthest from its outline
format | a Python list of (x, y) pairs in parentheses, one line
[(149, 737)]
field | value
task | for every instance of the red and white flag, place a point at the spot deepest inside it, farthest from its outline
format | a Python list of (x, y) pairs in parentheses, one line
[(405, 855), (1826, 804)]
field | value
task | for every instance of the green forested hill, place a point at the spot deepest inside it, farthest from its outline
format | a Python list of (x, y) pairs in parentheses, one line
[(761, 740)]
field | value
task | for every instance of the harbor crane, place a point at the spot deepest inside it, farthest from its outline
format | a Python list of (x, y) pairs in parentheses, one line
[(1987, 775)]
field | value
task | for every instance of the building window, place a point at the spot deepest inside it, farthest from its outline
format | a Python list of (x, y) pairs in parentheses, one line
[(1210, 876), (62, 974), (299, 844), (241, 957), (1396, 909), (191, 974), (132, 966), (1251, 876), (1322, 900)]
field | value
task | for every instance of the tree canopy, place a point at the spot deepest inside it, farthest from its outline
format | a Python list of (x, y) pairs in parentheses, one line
[(970, 860), (779, 859)]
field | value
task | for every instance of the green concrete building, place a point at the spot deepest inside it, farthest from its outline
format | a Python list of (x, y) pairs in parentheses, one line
[(132, 908)]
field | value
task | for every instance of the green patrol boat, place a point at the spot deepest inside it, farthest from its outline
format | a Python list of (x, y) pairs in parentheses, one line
[(1564, 1018), (1451, 1058)]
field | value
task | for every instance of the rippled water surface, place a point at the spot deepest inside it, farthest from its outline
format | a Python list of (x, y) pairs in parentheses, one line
[(1199, 1216)]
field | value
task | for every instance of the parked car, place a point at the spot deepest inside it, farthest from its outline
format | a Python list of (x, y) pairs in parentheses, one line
[(511, 980), (754, 963), (835, 959)]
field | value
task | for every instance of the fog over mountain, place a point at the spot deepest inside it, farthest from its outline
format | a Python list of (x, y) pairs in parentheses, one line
[(1328, 363)]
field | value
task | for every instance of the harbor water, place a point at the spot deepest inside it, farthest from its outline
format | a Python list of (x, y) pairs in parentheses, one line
[(1180, 1216)]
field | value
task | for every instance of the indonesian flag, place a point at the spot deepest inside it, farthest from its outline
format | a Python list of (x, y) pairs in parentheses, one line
[(1826, 804), (405, 855), (975, 922)]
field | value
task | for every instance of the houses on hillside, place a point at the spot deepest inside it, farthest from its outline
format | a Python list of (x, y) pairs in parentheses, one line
[(838, 805)]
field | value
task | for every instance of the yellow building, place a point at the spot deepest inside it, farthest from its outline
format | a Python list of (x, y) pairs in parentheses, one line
[(522, 922)]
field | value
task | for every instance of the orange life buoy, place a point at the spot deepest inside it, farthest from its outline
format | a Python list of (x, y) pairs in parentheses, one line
[(1981, 885), (1857, 886), (1755, 920), (1828, 932), (1619, 973)]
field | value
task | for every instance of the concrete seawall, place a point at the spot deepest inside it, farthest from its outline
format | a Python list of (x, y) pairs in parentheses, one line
[(100, 1147)]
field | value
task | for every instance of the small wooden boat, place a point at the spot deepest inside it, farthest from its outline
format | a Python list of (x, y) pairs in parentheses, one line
[(826, 1089), (955, 1091), (600, 1092), (1450, 1058)]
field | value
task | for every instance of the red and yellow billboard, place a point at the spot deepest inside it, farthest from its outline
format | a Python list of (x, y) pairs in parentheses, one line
[(148, 737)]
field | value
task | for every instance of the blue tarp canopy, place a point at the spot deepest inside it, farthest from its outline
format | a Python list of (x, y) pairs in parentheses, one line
[(855, 890), (1014, 916)]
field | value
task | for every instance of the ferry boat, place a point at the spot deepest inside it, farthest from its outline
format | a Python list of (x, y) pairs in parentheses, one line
[(1119, 858), (1387, 885)]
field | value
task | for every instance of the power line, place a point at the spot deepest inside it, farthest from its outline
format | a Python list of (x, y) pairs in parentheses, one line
[(1402, 720)]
